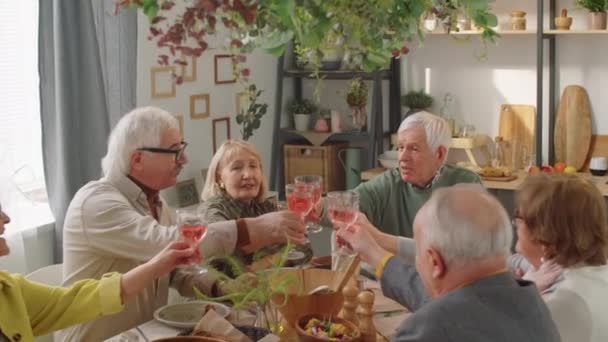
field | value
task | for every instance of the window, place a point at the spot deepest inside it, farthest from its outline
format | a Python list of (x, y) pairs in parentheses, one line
[(22, 188)]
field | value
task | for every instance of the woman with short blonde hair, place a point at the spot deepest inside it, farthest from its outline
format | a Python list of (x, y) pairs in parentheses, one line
[(235, 188), (562, 218), (226, 153)]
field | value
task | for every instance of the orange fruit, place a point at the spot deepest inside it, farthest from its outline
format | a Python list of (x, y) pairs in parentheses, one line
[(559, 167)]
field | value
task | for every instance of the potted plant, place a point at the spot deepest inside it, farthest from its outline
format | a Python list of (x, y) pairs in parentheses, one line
[(301, 110), (429, 21), (252, 287), (597, 13), (416, 101), (372, 31), (332, 51), (250, 117), (356, 97)]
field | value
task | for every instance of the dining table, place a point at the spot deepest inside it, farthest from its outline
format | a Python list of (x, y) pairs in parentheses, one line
[(388, 315)]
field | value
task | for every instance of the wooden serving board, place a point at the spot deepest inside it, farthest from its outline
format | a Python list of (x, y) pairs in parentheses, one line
[(572, 136), (597, 148), (499, 179), (517, 126)]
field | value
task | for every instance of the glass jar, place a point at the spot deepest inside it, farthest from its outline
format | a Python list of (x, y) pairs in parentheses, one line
[(499, 153), (467, 131), (446, 112)]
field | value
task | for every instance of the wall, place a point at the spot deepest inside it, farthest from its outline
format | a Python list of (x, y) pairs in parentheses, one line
[(508, 75), (198, 132)]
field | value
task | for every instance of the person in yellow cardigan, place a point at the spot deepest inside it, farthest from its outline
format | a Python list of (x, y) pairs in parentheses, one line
[(29, 309)]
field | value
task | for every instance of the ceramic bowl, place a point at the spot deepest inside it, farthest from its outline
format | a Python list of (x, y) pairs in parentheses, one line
[(306, 337), (391, 154), (388, 162), (597, 172)]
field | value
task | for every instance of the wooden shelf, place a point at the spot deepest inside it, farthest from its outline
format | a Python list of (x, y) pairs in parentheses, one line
[(472, 142), (473, 33), (317, 139), (528, 32), (337, 74), (576, 32)]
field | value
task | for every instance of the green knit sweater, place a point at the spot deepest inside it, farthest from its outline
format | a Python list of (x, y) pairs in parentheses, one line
[(391, 204)]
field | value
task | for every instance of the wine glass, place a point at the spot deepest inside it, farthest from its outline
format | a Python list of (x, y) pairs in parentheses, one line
[(342, 207), (299, 201), (312, 223), (192, 229)]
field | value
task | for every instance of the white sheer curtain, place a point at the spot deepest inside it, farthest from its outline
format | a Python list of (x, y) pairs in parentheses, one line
[(22, 188)]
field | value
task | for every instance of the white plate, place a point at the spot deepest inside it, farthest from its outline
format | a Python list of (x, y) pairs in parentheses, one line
[(186, 315)]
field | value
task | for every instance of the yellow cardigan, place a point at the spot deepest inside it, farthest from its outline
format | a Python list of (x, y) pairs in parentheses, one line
[(29, 309)]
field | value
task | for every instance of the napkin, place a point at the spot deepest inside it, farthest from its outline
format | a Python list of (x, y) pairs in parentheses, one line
[(215, 325)]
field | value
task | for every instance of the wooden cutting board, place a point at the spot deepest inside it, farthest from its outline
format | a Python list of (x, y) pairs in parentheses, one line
[(517, 126), (597, 148), (572, 136)]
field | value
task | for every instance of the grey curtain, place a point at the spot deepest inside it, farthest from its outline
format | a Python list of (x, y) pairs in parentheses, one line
[(87, 66)]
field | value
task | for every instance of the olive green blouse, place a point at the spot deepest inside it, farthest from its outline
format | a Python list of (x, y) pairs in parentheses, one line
[(222, 207)]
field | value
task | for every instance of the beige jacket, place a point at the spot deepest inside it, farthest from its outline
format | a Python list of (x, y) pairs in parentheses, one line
[(109, 228)]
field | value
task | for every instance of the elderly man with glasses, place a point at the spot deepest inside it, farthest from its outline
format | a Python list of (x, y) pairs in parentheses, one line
[(118, 222)]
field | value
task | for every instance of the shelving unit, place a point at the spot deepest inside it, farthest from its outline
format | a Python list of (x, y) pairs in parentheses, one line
[(373, 138), (550, 35)]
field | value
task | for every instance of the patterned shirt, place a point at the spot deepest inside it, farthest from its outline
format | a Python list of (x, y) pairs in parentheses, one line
[(222, 207)]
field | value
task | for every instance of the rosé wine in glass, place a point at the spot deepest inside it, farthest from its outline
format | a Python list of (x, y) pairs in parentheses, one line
[(342, 207), (313, 218), (299, 199), (192, 230)]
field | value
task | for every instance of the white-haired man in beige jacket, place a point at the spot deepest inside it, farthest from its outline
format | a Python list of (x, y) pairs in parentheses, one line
[(118, 222)]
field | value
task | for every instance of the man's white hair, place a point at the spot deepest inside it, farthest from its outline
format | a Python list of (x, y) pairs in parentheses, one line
[(465, 223), (142, 127), (437, 130)]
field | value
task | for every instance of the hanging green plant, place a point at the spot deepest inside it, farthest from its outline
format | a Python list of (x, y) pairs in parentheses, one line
[(250, 118), (371, 32)]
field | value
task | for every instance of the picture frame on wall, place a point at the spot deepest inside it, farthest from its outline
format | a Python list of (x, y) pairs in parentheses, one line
[(221, 132), (222, 69), (189, 72), (187, 194), (162, 83), (199, 106)]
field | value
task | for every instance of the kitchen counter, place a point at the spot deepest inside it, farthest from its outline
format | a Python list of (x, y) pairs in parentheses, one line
[(601, 182)]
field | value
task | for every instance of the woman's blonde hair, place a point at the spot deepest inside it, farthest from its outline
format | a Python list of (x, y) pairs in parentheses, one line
[(226, 152), (566, 213)]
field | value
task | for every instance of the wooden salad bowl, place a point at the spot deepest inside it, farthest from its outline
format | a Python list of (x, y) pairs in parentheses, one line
[(298, 301)]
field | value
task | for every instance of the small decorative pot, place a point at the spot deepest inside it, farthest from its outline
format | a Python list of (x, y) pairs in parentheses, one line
[(301, 122), (518, 21), (321, 125), (464, 24), (563, 23), (597, 20), (430, 24)]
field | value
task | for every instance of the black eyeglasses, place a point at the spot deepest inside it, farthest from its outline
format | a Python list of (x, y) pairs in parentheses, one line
[(178, 152)]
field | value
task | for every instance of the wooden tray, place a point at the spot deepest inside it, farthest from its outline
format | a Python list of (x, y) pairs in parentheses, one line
[(499, 179)]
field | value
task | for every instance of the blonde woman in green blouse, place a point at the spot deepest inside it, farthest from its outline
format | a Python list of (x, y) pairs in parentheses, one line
[(236, 188), (29, 309)]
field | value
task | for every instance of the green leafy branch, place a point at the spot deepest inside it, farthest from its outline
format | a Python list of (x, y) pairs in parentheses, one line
[(247, 288), (250, 118)]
